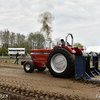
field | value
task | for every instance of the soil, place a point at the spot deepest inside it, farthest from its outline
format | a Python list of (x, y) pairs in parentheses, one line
[(16, 84)]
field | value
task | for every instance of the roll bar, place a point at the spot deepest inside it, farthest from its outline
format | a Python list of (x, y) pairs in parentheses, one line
[(67, 39)]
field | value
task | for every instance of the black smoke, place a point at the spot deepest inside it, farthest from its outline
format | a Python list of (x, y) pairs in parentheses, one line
[(46, 19)]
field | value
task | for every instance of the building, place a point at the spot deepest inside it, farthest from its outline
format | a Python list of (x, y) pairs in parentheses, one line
[(13, 51)]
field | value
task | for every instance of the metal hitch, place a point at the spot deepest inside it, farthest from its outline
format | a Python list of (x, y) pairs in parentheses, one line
[(83, 69)]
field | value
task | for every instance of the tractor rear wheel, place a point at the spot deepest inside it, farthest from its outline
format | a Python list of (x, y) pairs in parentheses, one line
[(29, 66), (61, 63)]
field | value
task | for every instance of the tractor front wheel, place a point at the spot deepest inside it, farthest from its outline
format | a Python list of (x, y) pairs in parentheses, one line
[(29, 66)]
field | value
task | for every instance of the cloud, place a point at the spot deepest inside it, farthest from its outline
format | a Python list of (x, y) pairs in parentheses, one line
[(80, 17)]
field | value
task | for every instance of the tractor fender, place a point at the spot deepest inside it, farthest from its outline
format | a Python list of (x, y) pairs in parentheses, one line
[(78, 51), (70, 49), (23, 62)]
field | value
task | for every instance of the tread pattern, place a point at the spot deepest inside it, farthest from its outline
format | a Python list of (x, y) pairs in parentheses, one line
[(31, 65), (70, 69)]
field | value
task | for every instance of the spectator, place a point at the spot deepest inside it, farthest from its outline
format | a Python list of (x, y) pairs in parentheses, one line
[(17, 57)]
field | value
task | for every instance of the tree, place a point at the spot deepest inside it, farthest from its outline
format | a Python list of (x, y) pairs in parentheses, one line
[(78, 45), (1, 38), (22, 44), (56, 42), (12, 39), (20, 39), (5, 38), (27, 47), (16, 40), (3, 50), (37, 39)]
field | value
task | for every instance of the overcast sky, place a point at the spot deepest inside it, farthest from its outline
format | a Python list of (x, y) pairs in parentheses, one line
[(79, 17)]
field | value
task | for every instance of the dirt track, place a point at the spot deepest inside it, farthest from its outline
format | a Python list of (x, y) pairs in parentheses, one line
[(42, 86)]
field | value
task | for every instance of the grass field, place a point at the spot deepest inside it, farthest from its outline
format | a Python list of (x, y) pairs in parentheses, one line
[(11, 60)]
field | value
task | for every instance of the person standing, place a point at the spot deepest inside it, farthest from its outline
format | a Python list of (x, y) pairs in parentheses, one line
[(17, 57)]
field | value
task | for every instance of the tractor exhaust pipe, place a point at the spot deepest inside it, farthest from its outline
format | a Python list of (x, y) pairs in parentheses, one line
[(66, 44)]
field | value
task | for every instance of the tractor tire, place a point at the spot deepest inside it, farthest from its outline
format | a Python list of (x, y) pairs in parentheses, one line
[(29, 66), (61, 63), (41, 69)]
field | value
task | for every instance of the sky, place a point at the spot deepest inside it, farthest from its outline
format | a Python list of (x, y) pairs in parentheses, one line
[(78, 17)]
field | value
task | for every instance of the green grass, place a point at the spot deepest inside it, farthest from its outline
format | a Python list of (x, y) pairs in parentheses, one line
[(9, 62), (7, 57)]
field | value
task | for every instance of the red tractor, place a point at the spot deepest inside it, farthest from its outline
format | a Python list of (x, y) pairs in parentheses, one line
[(60, 60)]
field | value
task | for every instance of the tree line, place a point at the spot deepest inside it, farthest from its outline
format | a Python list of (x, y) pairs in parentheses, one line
[(17, 40), (32, 40)]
